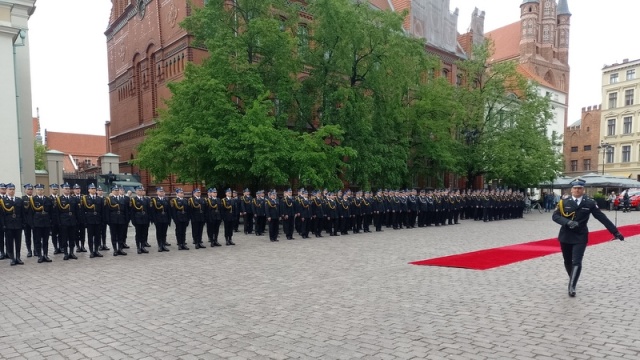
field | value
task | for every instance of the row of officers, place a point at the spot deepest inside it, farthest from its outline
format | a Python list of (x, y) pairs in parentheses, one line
[(70, 219)]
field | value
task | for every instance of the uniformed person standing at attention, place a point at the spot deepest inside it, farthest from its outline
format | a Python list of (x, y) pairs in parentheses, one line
[(28, 217), (92, 207), (81, 227), (13, 211), (102, 229), (213, 216), (288, 213), (55, 229), (67, 208), (180, 215), (139, 214), (197, 217), (115, 208), (228, 217), (246, 210), (41, 208), (3, 194), (573, 214), (258, 212), (160, 213), (272, 209)]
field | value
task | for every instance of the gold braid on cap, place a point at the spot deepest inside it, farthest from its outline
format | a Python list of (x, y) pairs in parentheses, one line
[(572, 215)]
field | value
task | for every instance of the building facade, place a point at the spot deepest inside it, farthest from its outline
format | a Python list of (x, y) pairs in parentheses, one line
[(17, 165), (620, 131), (539, 43), (582, 150)]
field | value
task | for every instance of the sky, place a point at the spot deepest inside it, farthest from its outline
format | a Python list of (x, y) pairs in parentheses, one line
[(69, 54)]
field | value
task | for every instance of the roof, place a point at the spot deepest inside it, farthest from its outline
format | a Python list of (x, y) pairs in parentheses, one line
[(381, 4), (506, 41), (76, 144)]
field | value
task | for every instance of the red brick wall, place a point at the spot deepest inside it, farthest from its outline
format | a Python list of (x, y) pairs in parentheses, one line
[(588, 133)]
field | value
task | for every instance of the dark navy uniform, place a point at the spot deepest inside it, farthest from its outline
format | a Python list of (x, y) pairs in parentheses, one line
[(573, 214), (272, 209), (139, 208), (288, 213), (67, 207), (197, 216), (41, 220), (13, 220), (213, 216), (180, 216), (161, 214), (92, 208), (228, 216), (246, 210), (116, 207)]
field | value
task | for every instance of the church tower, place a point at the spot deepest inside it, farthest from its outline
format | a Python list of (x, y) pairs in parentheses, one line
[(529, 14), (564, 22)]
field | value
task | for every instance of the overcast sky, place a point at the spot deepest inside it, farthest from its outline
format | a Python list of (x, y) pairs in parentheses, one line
[(69, 56)]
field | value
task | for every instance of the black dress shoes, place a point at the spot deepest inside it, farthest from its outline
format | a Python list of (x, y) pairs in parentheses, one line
[(125, 246), (29, 253), (19, 262)]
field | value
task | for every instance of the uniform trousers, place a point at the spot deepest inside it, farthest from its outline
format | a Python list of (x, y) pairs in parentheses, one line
[(41, 240), (13, 239)]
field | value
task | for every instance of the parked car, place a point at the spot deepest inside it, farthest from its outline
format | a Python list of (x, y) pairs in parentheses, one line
[(634, 200)]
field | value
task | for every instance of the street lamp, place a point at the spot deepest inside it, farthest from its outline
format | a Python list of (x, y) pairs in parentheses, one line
[(605, 147)]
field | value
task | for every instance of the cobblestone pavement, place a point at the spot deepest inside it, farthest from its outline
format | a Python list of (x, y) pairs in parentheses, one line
[(341, 297)]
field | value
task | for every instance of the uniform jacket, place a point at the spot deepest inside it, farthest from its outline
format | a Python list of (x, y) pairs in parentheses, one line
[(92, 209), (160, 210), (179, 210), (568, 210), (139, 210), (12, 213)]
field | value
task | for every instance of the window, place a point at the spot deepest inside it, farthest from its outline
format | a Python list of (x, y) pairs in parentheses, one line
[(445, 74), (613, 100), (628, 97), (587, 148), (609, 155), (586, 164), (626, 153), (303, 39), (459, 80), (574, 165), (631, 74), (627, 125), (611, 127), (613, 78), (574, 149)]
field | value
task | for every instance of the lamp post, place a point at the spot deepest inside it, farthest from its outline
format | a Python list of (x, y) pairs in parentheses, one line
[(605, 148)]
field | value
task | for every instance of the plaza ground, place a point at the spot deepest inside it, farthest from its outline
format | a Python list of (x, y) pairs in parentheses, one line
[(344, 297)]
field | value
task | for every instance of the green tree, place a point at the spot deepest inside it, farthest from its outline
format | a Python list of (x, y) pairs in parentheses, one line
[(228, 120), (501, 128), (41, 156)]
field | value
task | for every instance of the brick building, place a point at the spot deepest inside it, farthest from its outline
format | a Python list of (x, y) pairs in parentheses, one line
[(81, 151), (539, 42), (582, 151)]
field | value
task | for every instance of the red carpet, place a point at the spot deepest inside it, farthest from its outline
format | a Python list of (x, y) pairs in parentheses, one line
[(491, 258)]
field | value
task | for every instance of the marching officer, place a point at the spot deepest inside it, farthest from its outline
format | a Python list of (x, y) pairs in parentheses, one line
[(228, 216), (197, 216), (160, 213), (67, 208), (213, 216), (139, 214), (92, 207), (180, 215)]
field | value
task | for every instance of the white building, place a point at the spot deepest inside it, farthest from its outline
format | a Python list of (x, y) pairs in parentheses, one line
[(17, 163), (619, 122)]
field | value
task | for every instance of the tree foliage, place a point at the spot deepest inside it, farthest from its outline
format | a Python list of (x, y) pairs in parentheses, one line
[(346, 97)]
